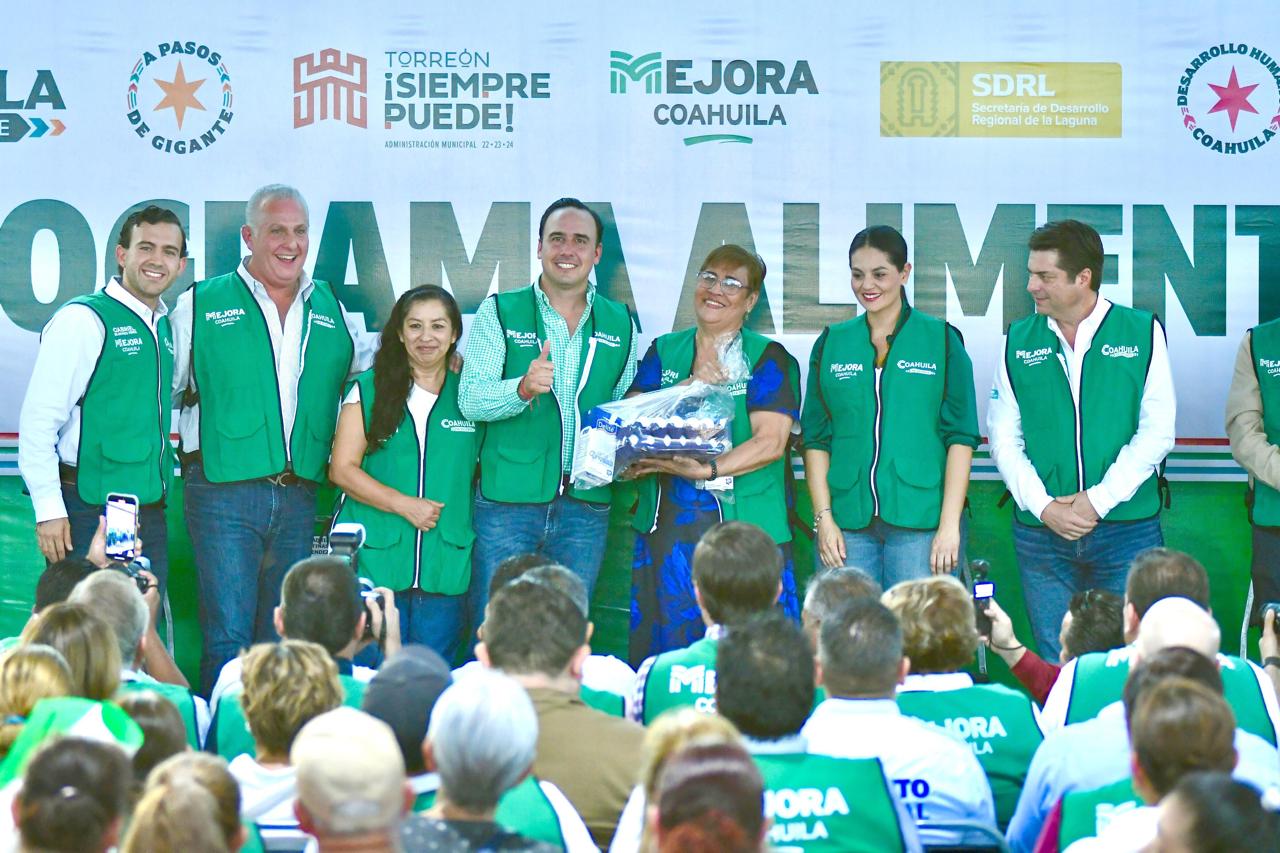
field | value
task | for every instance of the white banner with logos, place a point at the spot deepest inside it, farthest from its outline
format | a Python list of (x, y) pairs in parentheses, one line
[(428, 138)]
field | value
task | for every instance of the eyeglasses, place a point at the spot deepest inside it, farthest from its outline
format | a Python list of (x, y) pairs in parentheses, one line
[(728, 286)]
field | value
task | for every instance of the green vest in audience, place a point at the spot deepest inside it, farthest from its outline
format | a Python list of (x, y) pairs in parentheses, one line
[(602, 700), (1100, 677), (229, 734), (1086, 813), (680, 678), (1000, 726), (524, 809), (820, 804), (181, 699)]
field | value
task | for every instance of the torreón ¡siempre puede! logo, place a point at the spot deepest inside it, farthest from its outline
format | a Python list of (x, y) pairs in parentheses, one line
[(1229, 98), (180, 97)]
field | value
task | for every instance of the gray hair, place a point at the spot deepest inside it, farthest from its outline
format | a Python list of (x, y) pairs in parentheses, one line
[(559, 578), (263, 196), (829, 589), (483, 736), (113, 597)]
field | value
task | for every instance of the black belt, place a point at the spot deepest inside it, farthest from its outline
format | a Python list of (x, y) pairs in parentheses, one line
[(67, 474), (284, 478)]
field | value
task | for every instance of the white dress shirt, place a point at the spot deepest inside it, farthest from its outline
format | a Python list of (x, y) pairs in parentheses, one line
[(936, 775), (1137, 459), (49, 425), (286, 343)]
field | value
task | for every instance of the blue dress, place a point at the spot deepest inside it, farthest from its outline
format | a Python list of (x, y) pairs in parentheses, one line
[(664, 612)]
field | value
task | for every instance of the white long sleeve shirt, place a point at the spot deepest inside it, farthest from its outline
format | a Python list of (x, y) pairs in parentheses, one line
[(49, 424), (1136, 461), (286, 345)]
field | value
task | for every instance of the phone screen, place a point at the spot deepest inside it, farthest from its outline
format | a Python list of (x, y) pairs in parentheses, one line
[(984, 589), (122, 527)]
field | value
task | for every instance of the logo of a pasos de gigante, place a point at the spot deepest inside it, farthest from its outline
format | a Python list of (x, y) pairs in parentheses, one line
[(195, 97), (1229, 98), (716, 78)]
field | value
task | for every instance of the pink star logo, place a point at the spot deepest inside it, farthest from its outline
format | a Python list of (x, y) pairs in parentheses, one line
[(1233, 98)]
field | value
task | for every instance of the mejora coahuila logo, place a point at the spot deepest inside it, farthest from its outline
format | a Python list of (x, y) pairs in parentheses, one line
[(685, 86)]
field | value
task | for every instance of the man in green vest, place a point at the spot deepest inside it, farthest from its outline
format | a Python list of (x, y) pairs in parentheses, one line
[(262, 355), (1080, 419), (538, 359), (96, 415), (764, 686), (1253, 426), (737, 573)]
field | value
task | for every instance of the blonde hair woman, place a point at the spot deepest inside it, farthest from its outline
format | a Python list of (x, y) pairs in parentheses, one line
[(27, 675), (86, 642)]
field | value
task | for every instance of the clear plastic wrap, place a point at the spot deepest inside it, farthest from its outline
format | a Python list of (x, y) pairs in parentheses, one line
[(690, 419)]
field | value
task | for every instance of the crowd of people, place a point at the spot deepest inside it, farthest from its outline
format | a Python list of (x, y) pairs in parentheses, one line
[(330, 716)]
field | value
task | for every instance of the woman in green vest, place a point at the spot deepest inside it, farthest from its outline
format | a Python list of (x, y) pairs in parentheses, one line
[(890, 423), (405, 459), (675, 506)]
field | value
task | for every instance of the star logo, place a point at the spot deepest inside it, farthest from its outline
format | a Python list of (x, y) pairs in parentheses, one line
[(180, 95), (1233, 98)]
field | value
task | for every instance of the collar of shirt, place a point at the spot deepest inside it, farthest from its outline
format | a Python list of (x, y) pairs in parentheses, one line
[(858, 707), (936, 682), (131, 675), (544, 304), (1088, 326), (786, 745), (714, 632), (117, 291), (345, 666), (260, 289), (424, 783), (1115, 709)]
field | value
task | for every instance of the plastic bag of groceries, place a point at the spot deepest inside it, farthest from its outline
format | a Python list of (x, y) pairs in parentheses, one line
[(691, 419)]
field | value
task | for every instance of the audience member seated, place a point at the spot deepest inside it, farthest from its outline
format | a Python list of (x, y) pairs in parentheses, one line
[(482, 742), (604, 677), (1176, 638), (1177, 727), (1094, 622), (163, 733), (403, 695), (115, 598), (1156, 574), (286, 684), (669, 734), (351, 786), (764, 686), (71, 799), (27, 675), (710, 797), (85, 642), (1211, 812), (538, 635), (737, 572), (940, 638), (319, 603), (52, 587), (181, 816), (831, 589), (861, 664), (153, 826)]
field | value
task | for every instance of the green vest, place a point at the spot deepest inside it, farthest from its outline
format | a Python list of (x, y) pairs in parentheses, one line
[(520, 456), (1100, 677), (179, 697), (395, 553), (1086, 813), (1000, 726), (229, 734), (1072, 450), (602, 700), (1265, 346), (241, 430), (125, 411), (680, 678), (887, 455), (819, 804), (524, 809), (759, 497)]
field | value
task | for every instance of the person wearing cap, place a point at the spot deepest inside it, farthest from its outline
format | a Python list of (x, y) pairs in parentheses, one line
[(681, 497), (481, 741), (890, 423), (538, 359), (350, 782)]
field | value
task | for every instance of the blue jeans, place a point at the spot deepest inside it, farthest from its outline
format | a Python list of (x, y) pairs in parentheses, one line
[(891, 554), (566, 531), (1053, 569), (433, 620), (244, 537), (152, 530)]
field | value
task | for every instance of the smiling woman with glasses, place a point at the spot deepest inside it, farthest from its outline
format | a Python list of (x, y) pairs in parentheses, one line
[(681, 497)]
